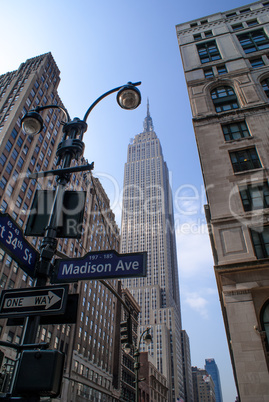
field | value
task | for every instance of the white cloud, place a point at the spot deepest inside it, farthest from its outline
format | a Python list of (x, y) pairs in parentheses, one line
[(197, 303), (193, 250)]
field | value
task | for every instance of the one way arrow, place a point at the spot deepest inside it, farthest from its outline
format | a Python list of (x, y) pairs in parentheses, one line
[(30, 301)]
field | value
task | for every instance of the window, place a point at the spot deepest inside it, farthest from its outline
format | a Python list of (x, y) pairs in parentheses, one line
[(208, 52), (258, 62), (224, 99), (265, 86), (8, 146), (9, 168), (246, 10), (237, 26), (235, 131), (197, 36), (255, 196), (260, 240), (204, 22), (246, 159), (253, 41), (209, 73), (251, 23), (3, 159), (193, 24), (3, 183), (208, 34), (221, 70)]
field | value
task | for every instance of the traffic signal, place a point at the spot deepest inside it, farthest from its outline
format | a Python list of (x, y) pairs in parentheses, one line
[(126, 331)]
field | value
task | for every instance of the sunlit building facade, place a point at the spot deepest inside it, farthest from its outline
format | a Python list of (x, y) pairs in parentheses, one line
[(148, 225), (226, 65)]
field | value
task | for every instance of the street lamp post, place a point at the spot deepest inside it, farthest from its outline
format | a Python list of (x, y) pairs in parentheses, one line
[(147, 339), (71, 147)]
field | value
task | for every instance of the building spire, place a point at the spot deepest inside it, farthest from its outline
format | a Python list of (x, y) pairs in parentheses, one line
[(148, 125)]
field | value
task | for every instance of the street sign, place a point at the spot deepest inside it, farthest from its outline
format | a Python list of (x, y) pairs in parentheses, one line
[(14, 243), (33, 301), (100, 265)]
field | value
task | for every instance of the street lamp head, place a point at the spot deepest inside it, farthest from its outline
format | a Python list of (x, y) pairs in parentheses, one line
[(129, 97), (32, 123), (148, 339)]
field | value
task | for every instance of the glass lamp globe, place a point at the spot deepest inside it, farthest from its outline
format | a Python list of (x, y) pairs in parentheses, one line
[(129, 97)]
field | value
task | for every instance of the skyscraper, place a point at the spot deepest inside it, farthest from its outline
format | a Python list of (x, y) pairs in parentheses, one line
[(225, 60), (212, 369), (91, 344), (148, 225)]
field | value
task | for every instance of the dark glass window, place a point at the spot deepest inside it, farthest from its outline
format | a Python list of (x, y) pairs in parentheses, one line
[(8, 146), (20, 142), (20, 162), (3, 183), (209, 73), (14, 133), (14, 154), (3, 159), (235, 131), (208, 51), (9, 168), (208, 34), (237, 26), (255, 196), (253, 41), (221, 70), (260, 239), (251, 23), (246, 10), (258, 62), (246, 159), (265, 86), (197, 36), (224, 99)]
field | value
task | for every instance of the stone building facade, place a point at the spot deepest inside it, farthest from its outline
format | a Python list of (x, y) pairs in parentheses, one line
[(226, 66)]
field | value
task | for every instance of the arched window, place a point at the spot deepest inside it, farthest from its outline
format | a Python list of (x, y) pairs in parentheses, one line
[(224, 99), (265, 86), (265, 322)]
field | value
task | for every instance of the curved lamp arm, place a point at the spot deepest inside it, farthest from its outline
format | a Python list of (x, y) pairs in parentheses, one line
[(39, 108), (106, 94)]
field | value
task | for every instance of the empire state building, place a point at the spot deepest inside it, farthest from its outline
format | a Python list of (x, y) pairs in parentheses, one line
[(148, 225)]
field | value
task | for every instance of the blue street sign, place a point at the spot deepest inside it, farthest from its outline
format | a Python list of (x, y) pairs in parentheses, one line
[(14, 243), (101, 265)]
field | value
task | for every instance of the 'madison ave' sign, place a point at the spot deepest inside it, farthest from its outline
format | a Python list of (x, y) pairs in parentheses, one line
[(101, 265)]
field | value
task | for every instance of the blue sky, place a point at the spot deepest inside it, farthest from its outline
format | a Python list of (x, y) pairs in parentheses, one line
[(99, 45)]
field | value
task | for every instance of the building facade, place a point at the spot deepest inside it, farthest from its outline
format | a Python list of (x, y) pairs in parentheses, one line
[(148, 225), (212, 369), (89, 341), (203, 386), (186, 358), (226, 66)]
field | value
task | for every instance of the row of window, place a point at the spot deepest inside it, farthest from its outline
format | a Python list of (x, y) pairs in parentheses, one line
[(221, 69), (250, 41), (229, 15), (225, 99)]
